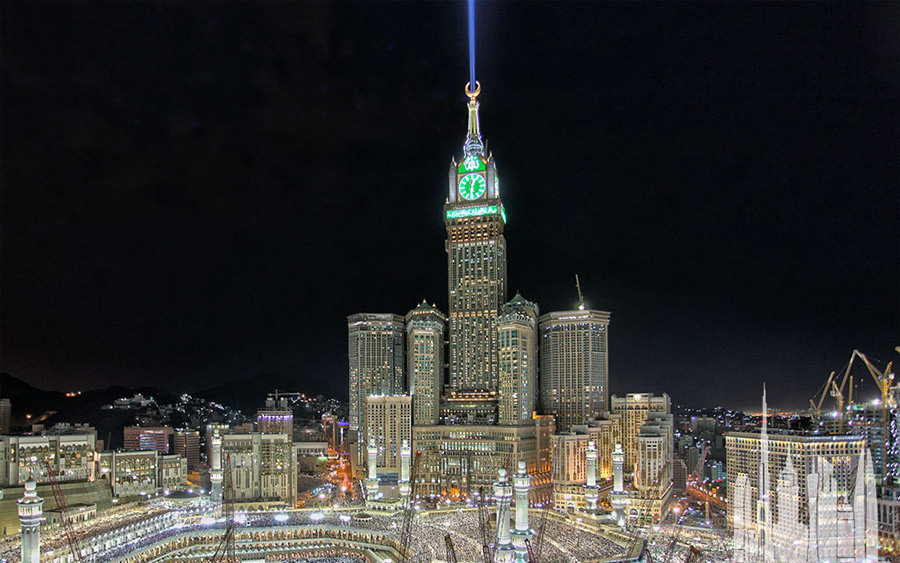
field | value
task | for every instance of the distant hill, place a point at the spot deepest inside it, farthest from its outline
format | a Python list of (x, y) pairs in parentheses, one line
[(249, 394), (27, 399)]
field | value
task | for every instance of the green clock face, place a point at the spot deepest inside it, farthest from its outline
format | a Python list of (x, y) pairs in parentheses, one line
[(472, 186)]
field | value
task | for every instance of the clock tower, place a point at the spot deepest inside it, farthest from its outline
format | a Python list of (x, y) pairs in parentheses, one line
[(476, 261)]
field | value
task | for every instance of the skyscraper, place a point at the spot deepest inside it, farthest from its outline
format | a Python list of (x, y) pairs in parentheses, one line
[(517, 341), (476, 261), (425, 361), (574, 365), (376, 354)]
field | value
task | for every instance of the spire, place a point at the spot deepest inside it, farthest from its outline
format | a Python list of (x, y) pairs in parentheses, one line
[(473, 144)]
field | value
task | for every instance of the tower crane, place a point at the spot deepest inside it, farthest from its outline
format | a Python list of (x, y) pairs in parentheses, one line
[(836, 391), (486, 551), (451, 551), (697, 474), (406, 530), (883, 379), (63, 507), (225, 550), (580, 295)]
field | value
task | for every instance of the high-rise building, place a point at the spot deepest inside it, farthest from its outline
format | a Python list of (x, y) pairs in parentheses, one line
[(634, 409), (262, 466), (574, 365), (186, 443), (142, 438), (653, 472), (476, 261), (517, 344), (276, 417), (425, 361), (376, 354), (389, 424)]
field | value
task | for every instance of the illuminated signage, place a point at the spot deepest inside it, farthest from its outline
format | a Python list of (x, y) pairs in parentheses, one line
[(477, 212)]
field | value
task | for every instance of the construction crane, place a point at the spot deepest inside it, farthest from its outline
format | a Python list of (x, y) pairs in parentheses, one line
[(484, 524), (225, 550), (648, 502), (540, 534), (697, 474), (883, 379), (531, 556), (451, 551), (580, 295), (693, 555), (62, 506), (406, 530), (837, 392)]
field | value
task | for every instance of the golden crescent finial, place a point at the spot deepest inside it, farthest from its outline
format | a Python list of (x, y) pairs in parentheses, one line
[(473, 94)]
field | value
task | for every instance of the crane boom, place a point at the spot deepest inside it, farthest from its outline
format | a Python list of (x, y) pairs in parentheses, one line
[(63, 507)]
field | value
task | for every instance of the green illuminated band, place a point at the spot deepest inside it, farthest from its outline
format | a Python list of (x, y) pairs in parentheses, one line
[(477, 212)]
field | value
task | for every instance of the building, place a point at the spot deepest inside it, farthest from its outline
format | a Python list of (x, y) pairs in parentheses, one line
[(376, 354), (130, 473), (186, 443), (157, 438), (574, 365), (458, 460), (172, 471), (5, 416), (425, 361), (569, 470), (276, 417), (518, 363), (388, 424), (800, 497), (70, 455), (653, 473), (335, 432), (889, 519), (476, 261), (262, 466), (634, 409)]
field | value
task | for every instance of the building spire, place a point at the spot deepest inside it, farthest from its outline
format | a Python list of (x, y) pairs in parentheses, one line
[(473, 144)]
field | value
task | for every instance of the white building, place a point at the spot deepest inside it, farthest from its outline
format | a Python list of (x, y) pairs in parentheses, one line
[(388, 423), (70, 455), (130, 474), (800, 497)]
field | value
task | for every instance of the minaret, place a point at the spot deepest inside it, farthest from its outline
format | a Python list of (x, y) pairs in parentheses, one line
[(215, 473), (522, 487), (30, 512), (591, 491), (506, 553), (372, 481), (618, 496), (476, 261), (405, 454)]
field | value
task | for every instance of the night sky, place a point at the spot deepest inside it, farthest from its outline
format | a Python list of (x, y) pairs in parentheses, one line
[(194, 192)]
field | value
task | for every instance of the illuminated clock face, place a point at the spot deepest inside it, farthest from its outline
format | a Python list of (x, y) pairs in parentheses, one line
[(472, 186)]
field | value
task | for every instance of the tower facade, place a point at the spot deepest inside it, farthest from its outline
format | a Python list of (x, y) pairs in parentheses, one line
[(574, 365), (376, 354), (476, 261), (30, 509), (517, 344), (425, 361)]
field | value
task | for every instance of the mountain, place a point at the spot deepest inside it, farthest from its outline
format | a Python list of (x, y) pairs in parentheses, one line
[(249, 394)]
